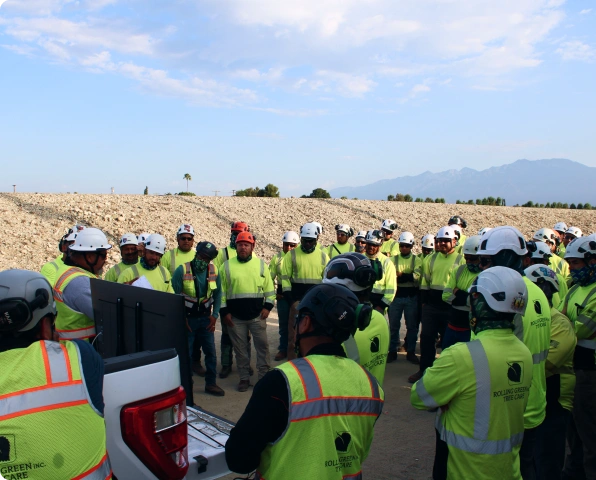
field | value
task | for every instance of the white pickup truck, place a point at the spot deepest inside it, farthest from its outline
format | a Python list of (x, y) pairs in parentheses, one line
[(151, 434)]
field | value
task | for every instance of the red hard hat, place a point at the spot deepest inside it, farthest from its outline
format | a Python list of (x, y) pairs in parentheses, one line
[(240, 227), (245, 237)]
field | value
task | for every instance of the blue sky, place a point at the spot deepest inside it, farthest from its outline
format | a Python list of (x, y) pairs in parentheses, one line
[(303, 94)]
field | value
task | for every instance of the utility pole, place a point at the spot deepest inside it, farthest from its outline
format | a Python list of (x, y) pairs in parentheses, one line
[(14, 189), (112, 189), (233, 193), (216, 192)]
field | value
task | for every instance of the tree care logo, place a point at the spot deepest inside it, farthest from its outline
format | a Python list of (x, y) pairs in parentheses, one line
[(343, 441), (7, 449), (375, 344)]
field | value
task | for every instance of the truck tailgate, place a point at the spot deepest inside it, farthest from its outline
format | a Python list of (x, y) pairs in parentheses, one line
[(207, 436)]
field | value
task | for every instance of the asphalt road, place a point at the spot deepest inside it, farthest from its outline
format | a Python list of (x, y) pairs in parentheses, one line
[(403, 446)]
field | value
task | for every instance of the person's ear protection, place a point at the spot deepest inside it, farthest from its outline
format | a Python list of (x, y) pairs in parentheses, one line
[(363, 276), (16, 313)]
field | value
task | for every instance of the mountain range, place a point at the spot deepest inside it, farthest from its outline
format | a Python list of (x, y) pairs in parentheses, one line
[(542, 181)]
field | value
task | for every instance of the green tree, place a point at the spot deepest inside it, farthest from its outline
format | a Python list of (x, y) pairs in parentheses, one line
[(270, 190), (470, 202), (587, 206), (572, 206), (318, 193), (428, 200), (499, 201), (146, 191), (248, 192), (390, 198), (408, 197), (188, 178), (418, 200), (580, 206), (399, 197)]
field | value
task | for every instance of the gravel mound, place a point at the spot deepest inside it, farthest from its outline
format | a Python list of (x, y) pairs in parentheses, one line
[(34, 223)]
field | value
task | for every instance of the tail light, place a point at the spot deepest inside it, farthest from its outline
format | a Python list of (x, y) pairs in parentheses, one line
[(155, 430)]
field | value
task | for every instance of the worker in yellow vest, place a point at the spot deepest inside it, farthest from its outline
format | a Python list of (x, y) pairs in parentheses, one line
[(580, 307), (458, 224), (434, 278), (149, 266), (390, 247), (482, 386), (302, 268), (142, 238), (290, 241), (72, 290), (200, 284), (384, 288), (184, 252), (367, 347), (360, 242), (343, 233), (549, 237), (506, 247), (560, 228), (129, 251), (223, 255), (539, 254), (313, 417), (456, 294), (51, 404), (49, 269), (560, 380)]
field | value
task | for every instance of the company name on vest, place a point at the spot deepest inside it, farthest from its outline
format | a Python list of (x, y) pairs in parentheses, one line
[(377, 360), (341, 462), (511, 393), (539, 322), (20, 471)]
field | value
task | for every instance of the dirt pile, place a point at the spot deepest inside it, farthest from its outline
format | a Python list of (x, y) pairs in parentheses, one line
[(33, 223)]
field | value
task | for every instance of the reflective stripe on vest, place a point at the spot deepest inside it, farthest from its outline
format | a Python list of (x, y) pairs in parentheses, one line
[(188, 276), (236, 296), (57, 291), (117, 269), (352, 349), (101, 471), (584, 342), (540, 356), (316, 405), (79, 333), (479, 443), (55, 265)]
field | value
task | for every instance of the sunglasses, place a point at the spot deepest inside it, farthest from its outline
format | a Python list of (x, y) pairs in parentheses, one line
[(186, 239), (443, 240), (486, 261)]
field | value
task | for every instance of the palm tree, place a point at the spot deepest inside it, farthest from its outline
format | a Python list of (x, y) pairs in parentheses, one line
[(187, 177)]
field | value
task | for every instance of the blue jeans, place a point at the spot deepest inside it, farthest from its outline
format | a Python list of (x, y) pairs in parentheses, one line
[(451, 337), (283, 312), (206, 339), (408, 307)]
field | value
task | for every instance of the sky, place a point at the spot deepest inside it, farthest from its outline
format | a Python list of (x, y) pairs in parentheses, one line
[(96, 94)]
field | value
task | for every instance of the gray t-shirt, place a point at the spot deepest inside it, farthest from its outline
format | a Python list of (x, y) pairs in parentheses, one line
[(77, 296)]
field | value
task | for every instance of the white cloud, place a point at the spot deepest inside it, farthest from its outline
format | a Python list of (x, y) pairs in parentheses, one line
[(576, 50), (585, 11)]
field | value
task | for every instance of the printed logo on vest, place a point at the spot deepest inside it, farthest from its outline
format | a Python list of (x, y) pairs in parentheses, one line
[(343, 440), (375, 344), (537, 307), (515, 373), (8, 451)]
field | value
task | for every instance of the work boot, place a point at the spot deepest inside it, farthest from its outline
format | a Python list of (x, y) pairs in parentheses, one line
[(243, 385), (198, 369), (225, 371), (415, 377), (391, 357), (214, 390), (412, 358), (281, 355)]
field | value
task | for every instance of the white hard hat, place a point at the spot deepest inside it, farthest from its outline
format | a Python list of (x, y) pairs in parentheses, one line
[(428, 241), (361, 234), (389, 225), (406, 237), (546, 235), (128, 239), (90, 240), (482, 231), (576, 232), (156, 243), (142, 238), (290, 237), (25, 298), (185, 228), (345, 228), (582, 247), (309, 230), (72, 233), (471, 245), (503, 289), (374, 237), (352, 270), (447, 232), (502, 238), (560, 227), (542, 251), (542, 273)]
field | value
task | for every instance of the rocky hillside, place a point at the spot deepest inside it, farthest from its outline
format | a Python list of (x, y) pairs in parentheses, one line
[(32, 224)]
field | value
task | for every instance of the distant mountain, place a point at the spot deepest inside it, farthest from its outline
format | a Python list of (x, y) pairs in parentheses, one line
[(550, 180)]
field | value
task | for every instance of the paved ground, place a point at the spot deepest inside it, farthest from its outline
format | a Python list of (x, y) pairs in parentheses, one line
[(403, 447)]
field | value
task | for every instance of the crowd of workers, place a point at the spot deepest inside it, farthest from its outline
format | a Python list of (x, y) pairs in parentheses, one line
[(515, 319)]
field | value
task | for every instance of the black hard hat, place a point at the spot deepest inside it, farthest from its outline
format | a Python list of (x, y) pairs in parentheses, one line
[(457, 220), (208, 249), (336, 311)]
